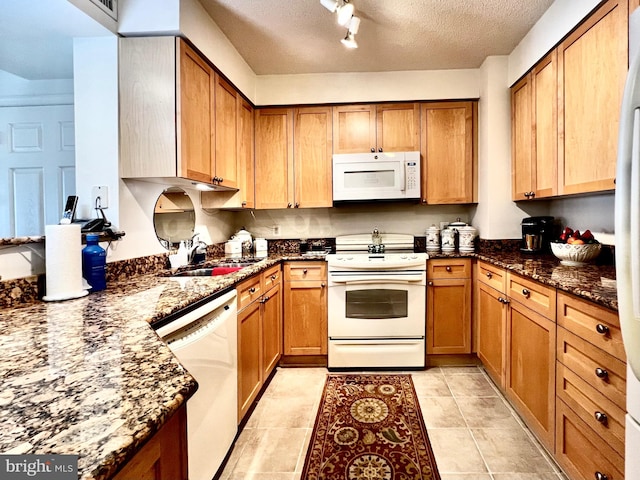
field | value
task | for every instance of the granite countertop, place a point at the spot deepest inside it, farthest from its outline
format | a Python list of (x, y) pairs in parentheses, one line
[(90, 377), (593, 282)]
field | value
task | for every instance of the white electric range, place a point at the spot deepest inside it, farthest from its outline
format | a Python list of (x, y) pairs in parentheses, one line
[(376, 302)]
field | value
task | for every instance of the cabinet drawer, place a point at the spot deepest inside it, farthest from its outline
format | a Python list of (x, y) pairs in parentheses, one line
[(249, 290), (534, 295), (603, 372), (493, 276), (449, 268), (597, 325), (271, 277), (305, 271), (590, 405), (582, 452)]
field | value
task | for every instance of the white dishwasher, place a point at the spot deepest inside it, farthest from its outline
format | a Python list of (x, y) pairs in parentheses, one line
[(205, 341)]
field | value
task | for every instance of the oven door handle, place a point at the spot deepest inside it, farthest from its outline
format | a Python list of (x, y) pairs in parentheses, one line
[(394, 281)]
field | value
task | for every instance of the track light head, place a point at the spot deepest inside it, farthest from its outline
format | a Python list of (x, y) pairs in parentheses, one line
[(345, 12), (349, 41), (354, 25), (331, 5)]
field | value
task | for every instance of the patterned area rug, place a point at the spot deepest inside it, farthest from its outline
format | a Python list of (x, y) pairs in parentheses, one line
[(369, 427)]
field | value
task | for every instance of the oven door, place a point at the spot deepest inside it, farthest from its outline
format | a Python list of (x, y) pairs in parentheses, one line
[(377, 309)]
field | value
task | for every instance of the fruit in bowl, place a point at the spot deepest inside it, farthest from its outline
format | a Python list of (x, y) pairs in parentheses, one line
[(574, 248)]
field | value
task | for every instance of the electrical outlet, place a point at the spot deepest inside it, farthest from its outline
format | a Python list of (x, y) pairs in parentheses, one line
[(100, 197)]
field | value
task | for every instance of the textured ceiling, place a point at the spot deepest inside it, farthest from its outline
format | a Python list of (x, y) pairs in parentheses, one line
[(301, 36)]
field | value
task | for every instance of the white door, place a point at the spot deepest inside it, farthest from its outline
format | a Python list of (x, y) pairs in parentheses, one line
[(37, 167)]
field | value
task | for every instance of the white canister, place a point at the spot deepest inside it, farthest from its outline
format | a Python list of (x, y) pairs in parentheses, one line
[(260, 246), (433, 238), (448, 240), (467, 239)]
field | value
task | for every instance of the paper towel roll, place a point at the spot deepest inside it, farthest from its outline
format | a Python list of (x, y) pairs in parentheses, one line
[(63, 261)]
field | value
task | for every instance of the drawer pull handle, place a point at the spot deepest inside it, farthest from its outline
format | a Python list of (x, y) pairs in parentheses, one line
[(601, 373), (526, 293), (489, 275), (602, 418), (503, 300), (273, 277), (601, 476), (252, 290), (264, 299), (602, 329), (447, 268)]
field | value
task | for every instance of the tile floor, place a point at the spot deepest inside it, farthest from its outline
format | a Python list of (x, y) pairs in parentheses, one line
[(474, 433)]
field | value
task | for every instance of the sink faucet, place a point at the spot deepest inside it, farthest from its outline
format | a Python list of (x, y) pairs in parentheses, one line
[(197, 252)]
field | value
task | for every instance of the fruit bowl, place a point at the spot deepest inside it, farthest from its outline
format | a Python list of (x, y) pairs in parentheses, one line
[(575, 255)]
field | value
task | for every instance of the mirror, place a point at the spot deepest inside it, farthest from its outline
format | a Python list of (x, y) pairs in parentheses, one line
[(174, 218), (37, 134)]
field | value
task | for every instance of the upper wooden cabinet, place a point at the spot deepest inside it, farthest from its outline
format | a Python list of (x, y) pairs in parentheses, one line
[(534, 132), (565, 111), (246, 174), (226, 133), (448, 153), (593, 64), (386, 127), (293, 158)]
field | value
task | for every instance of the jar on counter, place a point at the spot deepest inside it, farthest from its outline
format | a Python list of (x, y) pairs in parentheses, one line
[(467, 239), (448, 240), (433, 238)]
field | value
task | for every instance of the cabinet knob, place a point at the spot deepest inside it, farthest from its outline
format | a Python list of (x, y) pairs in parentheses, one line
[(304, 272), (322, 285), (601, 476), (602, 373), (296, 205), (244, 203), (288, 205), (380, 150), (430, 283), (252, 290), (533, 194), (602, 329), (447, 268), (601, 417), (503, 300), (220, 179), (489, 275), (424, 200), (273, 277), (526, 293), (373, 150)]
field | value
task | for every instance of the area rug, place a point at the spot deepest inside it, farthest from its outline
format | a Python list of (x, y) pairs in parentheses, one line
[(369, 427)]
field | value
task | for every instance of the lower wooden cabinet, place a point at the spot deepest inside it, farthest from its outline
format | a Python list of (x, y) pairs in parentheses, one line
[(259, 334), (164, 456), (491, 314), (305, 307), (449, 306)]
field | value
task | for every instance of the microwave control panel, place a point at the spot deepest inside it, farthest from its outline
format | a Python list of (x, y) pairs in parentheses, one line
[(413, 175)]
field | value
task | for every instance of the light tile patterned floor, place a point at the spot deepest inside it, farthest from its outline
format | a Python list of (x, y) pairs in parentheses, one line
[(474, 433)]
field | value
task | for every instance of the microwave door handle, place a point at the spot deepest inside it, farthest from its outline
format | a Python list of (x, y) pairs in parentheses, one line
[(403, 176)]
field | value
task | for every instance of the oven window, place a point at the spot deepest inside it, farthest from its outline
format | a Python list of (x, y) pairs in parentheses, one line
[(376, 303)]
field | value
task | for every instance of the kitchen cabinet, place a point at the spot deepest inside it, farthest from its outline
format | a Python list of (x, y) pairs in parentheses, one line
[(385, 127), (305, 308), (534, 132), (448, 152), (226, 133), (530, 354), (590, 391), (491, 306), (164, 456), (293, 158), (259, 334), (449, 306), (589, 97)]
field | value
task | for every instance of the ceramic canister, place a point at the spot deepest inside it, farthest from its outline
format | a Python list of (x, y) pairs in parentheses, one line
[(467, 238), (433, 238), (448, 240)]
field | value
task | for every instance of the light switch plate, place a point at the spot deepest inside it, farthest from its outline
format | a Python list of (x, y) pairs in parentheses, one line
[(100, 197)]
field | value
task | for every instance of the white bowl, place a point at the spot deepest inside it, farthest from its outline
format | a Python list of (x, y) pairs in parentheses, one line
[(575, 255)]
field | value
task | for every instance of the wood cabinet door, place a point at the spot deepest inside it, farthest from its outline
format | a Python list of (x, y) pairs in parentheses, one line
[(531, 365), (449, 316), (305, 321), (447, 153), (274, 158), (589, 97), (271, 330), (522, 172), (354, 128), (312, 153), (246, 176), (196, 117), (492, 319), (544, 80), (398, 127), (249, 357), (226, 133)]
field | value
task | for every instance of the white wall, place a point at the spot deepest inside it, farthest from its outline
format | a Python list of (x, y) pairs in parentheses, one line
[(366, 87), (556, 22), (148, 17), (17, 91)]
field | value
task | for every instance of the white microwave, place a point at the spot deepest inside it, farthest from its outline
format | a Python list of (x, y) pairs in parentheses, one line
[(376, 176)]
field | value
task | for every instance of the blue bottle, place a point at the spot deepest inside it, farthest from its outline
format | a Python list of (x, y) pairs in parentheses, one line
[(94, 263)]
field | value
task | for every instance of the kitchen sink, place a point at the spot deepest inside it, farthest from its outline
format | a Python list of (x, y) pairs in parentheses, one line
[(222, 267)]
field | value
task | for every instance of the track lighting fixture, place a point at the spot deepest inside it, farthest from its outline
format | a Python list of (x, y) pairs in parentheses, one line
[(346, 18)]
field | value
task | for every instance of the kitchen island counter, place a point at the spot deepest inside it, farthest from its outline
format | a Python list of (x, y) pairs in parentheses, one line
[(90, 377)]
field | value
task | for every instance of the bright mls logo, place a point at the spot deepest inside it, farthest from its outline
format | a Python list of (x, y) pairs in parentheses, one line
[(43, 467)]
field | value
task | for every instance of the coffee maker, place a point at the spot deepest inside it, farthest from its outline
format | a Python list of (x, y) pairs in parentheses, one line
[(537, 233)]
